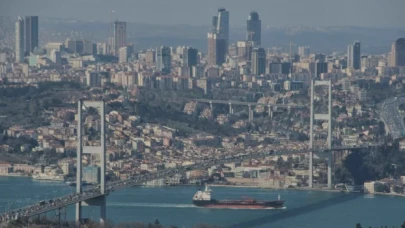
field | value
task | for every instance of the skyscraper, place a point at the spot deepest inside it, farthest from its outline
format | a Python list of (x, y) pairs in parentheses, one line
[(221, 25), (258, 61), (354, 56), (163, 60), (120, 35), (254, 29), (190, 56), (304, 51), (398, 53), (31, 33), (216, 49), (19, 40)]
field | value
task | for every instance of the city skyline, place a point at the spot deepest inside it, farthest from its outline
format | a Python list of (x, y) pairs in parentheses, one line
[(344, 13)]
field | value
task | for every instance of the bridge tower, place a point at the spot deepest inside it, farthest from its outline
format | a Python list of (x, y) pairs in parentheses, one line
[(325, 117), (100, 150)]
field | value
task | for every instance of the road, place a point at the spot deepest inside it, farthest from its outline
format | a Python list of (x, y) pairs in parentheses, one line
[(391, 117)]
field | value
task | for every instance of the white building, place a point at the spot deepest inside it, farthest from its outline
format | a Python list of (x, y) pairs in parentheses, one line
[(123, 55), (55, 56)]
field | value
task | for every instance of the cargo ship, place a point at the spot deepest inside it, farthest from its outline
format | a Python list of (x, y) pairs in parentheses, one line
[(203, 199)]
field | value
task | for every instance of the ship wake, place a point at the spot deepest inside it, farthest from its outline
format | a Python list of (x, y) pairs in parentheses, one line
[(230, 208), (162, 205)]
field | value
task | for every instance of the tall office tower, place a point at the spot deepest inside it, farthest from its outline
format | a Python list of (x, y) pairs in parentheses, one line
[(163, 59), (221, 24), (258, 61), (304, 51), (214, 24), (31, 33), (190, 57), (398, 53), (88, 47), (76, 46), (354, 56), (216, 50), (19, 40), (254, 29), (120, 35)]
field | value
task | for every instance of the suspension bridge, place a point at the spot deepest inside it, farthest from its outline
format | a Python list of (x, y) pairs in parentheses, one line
[(97, 196)]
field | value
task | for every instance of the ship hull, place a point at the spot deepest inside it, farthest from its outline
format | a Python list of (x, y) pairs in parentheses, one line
[(238, 204)]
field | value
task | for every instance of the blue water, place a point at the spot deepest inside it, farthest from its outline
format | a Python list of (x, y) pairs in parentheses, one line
[(172, 206)]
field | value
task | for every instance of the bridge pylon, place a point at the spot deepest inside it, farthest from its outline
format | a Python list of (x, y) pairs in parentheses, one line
[(99, 150), (325, 117)]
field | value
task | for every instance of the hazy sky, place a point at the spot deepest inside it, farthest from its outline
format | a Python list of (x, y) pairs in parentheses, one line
[(375, 13)]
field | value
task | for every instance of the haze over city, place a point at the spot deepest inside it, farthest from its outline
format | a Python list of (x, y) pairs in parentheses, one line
[(370, 13)]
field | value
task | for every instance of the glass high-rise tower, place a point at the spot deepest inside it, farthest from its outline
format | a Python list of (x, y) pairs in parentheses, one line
[(397, 58), (31, 34), (254, 29), (354, 56), (221, 25), (164, 60), (258, 61), (19, 40)]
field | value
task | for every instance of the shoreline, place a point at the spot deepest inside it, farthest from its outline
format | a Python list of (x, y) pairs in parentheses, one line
[(310, 189), (14, 175)]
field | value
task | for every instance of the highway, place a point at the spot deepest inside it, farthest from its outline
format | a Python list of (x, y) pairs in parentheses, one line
[(248, 103), (391, 117), (57, 203)]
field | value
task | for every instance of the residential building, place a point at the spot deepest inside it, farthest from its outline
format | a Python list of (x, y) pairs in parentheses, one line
[(123, 55), (150, 56)]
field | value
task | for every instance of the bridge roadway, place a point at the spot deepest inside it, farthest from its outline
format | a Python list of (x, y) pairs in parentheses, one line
[(247, 103), (61, 202)]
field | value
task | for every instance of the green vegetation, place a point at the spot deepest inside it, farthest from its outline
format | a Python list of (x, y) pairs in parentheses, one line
[(367, 165), (358, 225), (25, 105)]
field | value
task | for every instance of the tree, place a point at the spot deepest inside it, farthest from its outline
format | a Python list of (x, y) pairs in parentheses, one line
[(403, 225), (358, 225)]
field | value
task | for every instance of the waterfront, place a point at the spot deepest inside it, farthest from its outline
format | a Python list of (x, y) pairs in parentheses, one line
[(172, 206)]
